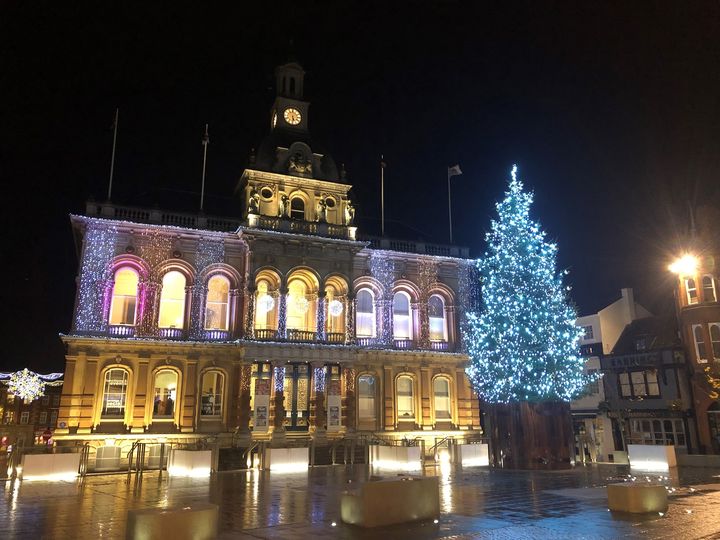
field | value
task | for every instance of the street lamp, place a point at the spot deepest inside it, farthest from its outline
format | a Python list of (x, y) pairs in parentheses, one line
[(685, 265)]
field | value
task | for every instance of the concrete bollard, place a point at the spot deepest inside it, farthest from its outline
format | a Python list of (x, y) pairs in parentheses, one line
[(196, 522), (637, 498)]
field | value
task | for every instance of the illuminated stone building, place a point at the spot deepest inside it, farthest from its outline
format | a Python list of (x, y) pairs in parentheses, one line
[(275, 324)]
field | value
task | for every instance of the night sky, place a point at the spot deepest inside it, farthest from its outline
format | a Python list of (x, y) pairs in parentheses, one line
[(611, 112)]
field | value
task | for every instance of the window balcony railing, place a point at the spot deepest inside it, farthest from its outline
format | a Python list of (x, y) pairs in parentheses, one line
[(217, 335), (121, 330), (335, 337), (439, 346), (171, 333), (365, 341), (404, 344), (294, 334), (265, 334)]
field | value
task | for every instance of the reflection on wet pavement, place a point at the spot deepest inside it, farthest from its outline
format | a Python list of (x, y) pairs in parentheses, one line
[(475, 503)]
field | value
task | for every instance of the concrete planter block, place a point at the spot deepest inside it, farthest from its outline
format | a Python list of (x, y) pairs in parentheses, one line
[(652, 457), (387, 502), (472, 455), (637, 498), (50, 466), (406, 458), (196, 522), (287, 459), (196, 463)]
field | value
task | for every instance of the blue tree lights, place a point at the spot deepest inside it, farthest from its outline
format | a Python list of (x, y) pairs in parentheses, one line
[(523, 344)]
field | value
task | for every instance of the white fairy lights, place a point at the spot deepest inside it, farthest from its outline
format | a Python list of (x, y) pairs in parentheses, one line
[(523, 344)]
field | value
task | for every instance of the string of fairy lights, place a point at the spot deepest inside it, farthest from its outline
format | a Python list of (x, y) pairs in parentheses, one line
[(523, 343)]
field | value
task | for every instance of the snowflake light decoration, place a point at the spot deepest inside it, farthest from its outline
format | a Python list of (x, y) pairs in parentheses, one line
[(335, 307), (265, 303), (302, 304), (26, 385)]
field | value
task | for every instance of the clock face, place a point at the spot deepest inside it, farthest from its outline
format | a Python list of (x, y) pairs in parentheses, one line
[(292, 116)]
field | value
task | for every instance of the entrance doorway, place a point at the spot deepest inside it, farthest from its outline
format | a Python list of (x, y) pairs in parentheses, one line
[(296, 393), (714, 424)]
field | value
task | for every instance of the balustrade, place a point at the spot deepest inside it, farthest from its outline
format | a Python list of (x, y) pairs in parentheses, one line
[(171, 333)]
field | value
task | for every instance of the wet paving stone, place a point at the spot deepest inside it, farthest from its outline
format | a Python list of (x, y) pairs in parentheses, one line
[(476, 503)]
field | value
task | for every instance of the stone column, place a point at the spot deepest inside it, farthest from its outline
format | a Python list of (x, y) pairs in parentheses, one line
[(350, 310), (350, 408), (384, 318), (243, 402), (278, 436), (197, 320), (389, 401), (234, 299), (425, 417), (318, 414), (149, 300), (321, 331), (421, 308), (250, 297), (282, 313)]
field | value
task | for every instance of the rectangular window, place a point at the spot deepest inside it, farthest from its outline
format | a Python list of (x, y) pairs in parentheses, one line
[(691, 290), (638, 383), (25, 417), (653, 389), (43, 417), (46, 400), (708, 284), (700, 349), (9, 417), (588, 332), (56, 400), (405, 405), (625, 389), (715, 340), (593, 387), (53, 418)]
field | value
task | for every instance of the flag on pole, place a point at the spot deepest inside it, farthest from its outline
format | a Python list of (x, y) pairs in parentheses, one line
[(454, 171)]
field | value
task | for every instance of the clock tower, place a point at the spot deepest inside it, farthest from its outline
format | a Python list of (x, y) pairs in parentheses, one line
[(289, 111)]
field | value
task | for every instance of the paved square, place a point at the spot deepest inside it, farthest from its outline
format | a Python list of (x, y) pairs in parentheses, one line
[(476, 503)]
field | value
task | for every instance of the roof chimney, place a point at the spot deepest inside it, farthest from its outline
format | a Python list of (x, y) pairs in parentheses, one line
[(629, 299)]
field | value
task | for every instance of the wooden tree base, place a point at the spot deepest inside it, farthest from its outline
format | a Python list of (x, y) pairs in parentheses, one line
[(530, 435)]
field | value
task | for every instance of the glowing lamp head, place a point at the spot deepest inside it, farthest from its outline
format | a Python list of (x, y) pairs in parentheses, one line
[(685, 265)]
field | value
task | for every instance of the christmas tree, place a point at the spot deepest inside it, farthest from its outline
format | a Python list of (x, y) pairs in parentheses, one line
[(523, 345)]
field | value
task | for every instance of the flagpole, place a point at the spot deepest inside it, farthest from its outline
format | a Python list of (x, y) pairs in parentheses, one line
[(112, 159), (382, 196), (205, 141), (449, 207)]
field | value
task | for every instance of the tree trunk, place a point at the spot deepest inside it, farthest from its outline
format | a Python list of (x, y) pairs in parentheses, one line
[(531, 435)]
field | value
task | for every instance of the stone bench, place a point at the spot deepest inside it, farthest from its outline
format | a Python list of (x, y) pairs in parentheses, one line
[(391, 501), (637, 498), (196, 522)]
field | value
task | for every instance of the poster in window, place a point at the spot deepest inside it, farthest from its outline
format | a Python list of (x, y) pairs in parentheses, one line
[(334, 417), (261, 417)]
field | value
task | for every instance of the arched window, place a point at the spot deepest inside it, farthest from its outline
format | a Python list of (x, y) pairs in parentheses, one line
[(365, 320), (124, 297), (298, 306), (165, 398), (436, 314), (297, 208), (405, 398), (691, 290), (216, 304), (335, 302), (699, 343), (266, 306), (441, 395), (172, 301), (211, 394), (366, 401), (114, 393), (708, 285), (402, 329), (715, 339)]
